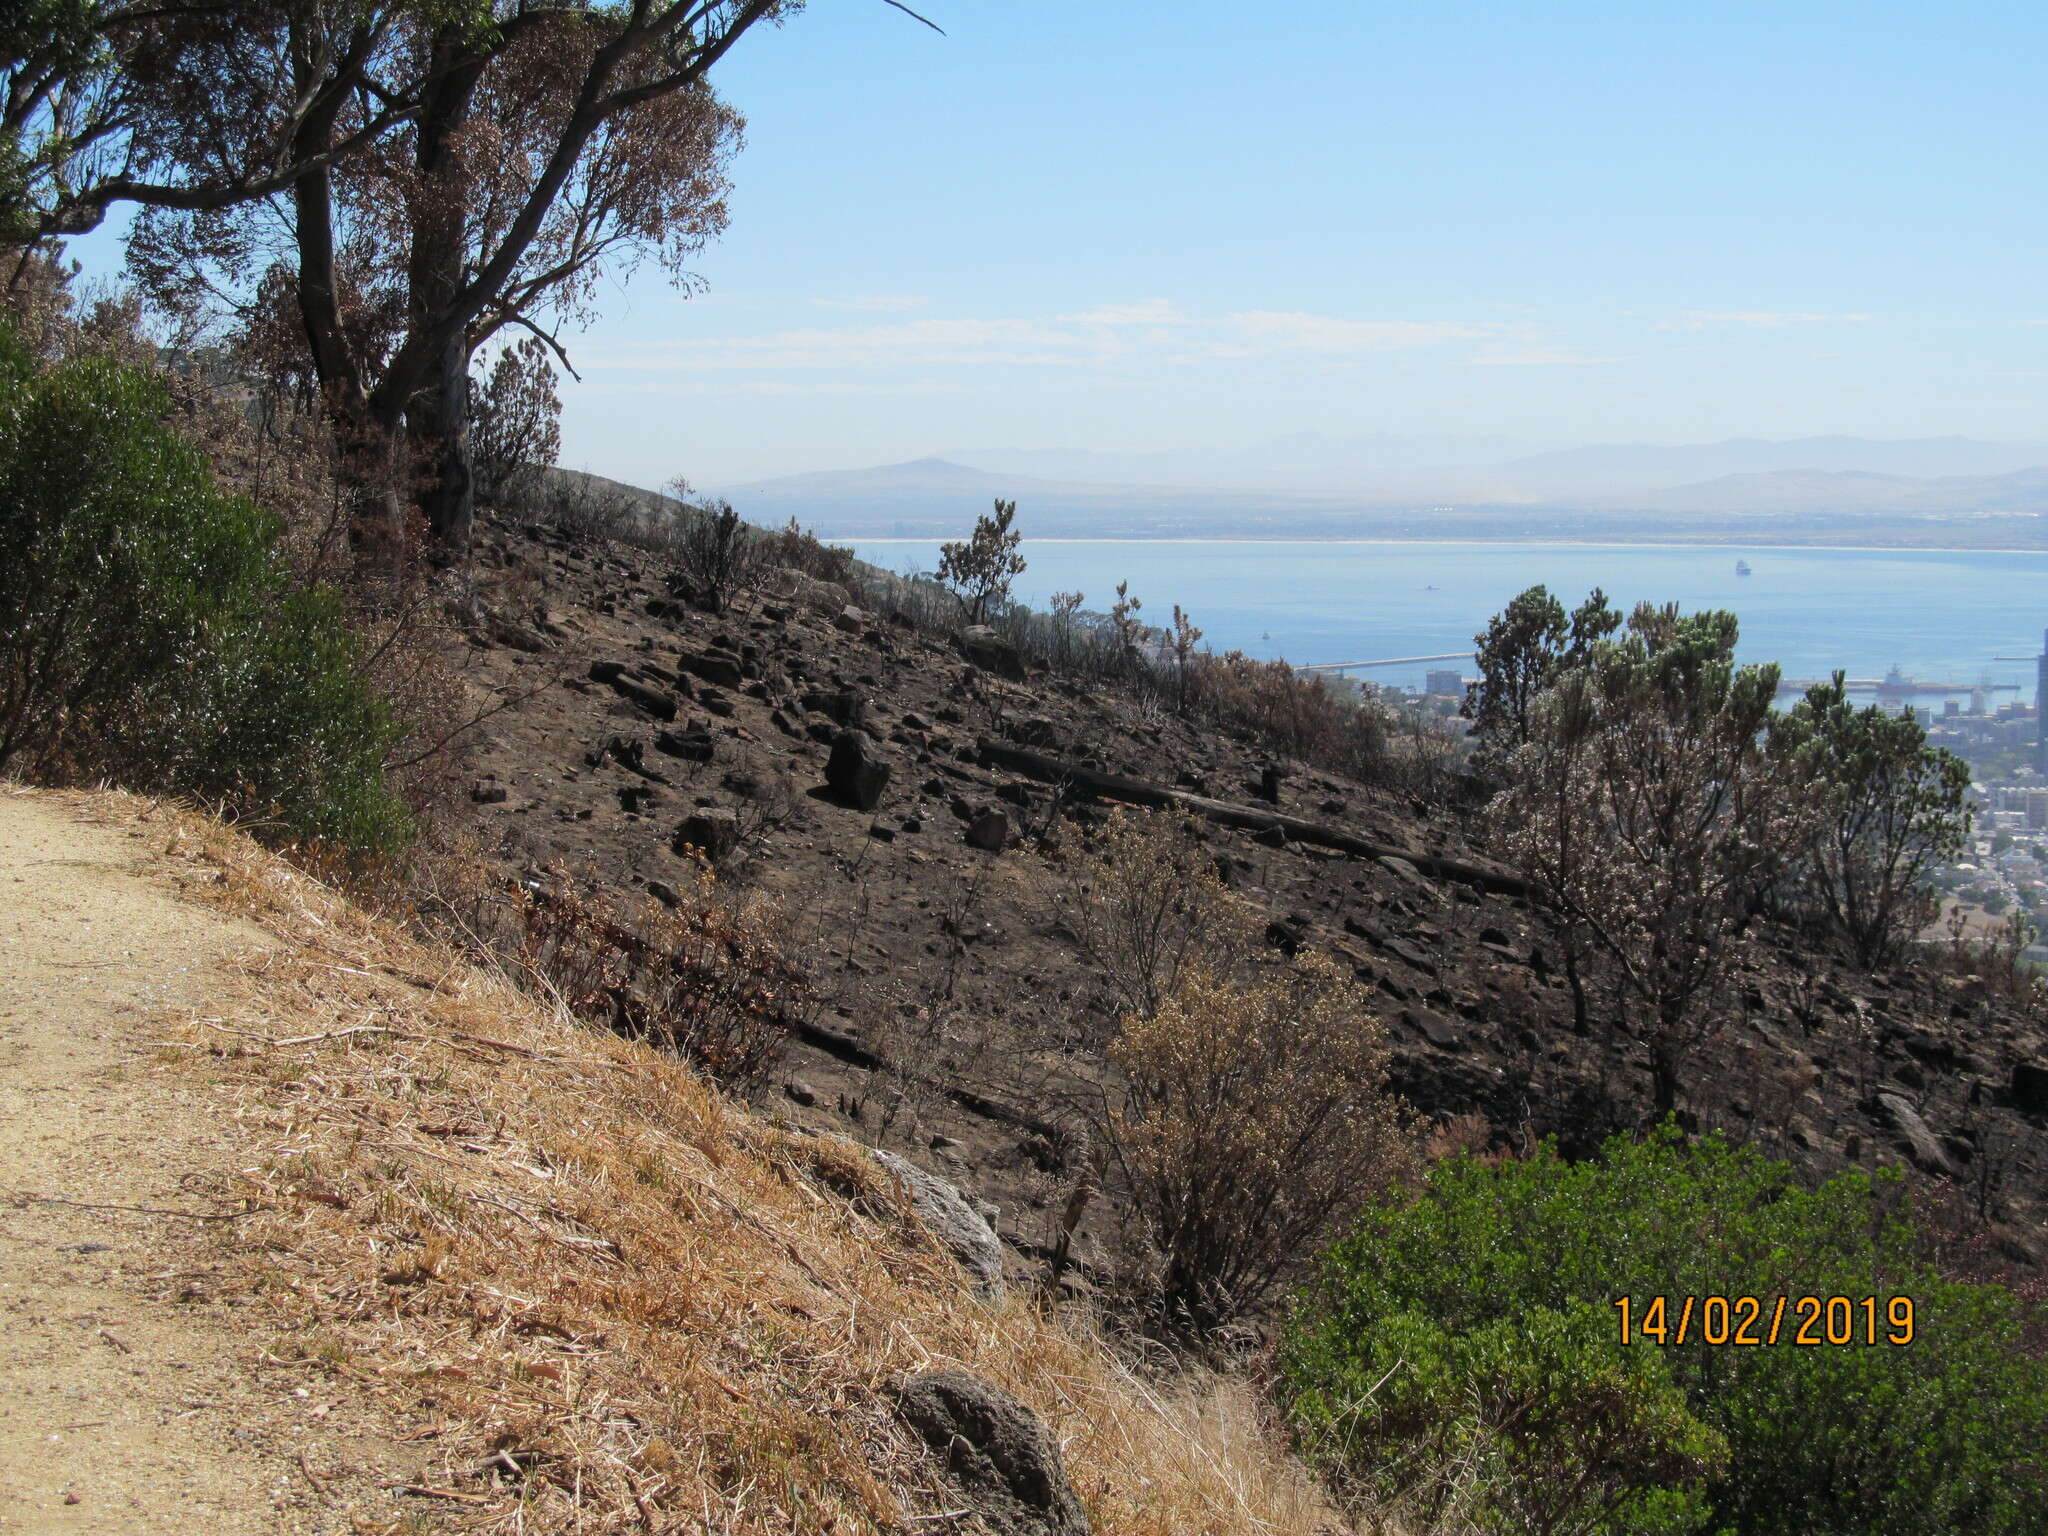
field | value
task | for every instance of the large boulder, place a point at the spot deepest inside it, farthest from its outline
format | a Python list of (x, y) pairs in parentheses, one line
[(856, 771), (826, 597), (999, 1453), (848, 706), (719, 668), (618, 677), (713, 832), (991, 652), (951, 1218), (990, 831), (1914, 1138)]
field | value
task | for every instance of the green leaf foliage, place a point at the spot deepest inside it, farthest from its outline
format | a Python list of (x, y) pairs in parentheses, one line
[(1895, 810), (150, 634), (1480, 1314)]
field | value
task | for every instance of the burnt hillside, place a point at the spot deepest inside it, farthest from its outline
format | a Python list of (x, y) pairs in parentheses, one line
[(951, 1016)]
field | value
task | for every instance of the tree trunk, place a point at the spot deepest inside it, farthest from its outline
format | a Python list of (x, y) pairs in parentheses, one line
[(438, 424), (1580, 1026), (436, 405), (1664, 1078), (1111, 786), (375, 513)]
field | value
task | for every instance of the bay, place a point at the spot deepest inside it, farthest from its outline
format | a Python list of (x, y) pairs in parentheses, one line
[(1936, 615)]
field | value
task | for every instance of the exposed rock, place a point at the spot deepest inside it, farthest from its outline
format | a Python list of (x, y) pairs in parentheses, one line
[(694, 745), (2030, 1088), (714, 833), (1918, 1142), (851, 620), (613, 675), (997, 1451), (960, 1229), (991, 652), (847, 706), (818, 596), (1408, 872), (636, 798), (1409, 955), (990, 831), (856, 772), (1433, 1027), (715, 668), (1036, 732)]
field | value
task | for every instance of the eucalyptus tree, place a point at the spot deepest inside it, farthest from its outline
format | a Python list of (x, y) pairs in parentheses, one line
[(408, 177)]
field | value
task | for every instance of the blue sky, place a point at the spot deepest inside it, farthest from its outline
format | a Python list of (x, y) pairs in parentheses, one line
[(1156, 226)]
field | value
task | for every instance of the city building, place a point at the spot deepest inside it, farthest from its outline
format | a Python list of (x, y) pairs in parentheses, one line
[(2041, 707), (1445, 683)]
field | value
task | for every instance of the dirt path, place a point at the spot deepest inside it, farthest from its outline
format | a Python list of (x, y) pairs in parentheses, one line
[(129, 1400)]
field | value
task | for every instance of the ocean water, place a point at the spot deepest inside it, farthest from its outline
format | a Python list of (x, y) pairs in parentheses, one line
[(1936, 615)]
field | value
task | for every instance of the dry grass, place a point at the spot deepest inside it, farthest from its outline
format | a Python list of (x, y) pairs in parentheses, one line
[(611, 1299)]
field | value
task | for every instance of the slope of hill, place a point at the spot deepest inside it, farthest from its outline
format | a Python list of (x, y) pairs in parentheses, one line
[(958, 1023), (318, 1229)]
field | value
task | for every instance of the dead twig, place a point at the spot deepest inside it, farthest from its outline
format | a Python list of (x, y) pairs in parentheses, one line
[(143, 1210)]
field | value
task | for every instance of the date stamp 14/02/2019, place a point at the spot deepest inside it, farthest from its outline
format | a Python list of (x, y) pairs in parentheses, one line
[(1760, 1321)]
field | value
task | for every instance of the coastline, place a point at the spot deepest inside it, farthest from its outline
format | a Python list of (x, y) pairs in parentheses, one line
[(1844, 549)]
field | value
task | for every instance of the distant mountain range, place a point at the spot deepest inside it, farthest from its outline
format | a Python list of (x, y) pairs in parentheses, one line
[(2023, 493), (1808, 490), (1497, 469)]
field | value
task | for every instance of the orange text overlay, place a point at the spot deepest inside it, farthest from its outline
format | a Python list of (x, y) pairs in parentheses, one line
[(1758, 1321)]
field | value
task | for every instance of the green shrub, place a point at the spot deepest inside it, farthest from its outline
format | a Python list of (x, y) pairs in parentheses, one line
[(1430, 1299), (149, 631)]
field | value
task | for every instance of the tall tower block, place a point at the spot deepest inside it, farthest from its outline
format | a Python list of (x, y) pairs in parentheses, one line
[(2041, 708)]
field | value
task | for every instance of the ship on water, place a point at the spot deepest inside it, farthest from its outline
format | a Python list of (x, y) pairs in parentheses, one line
[(1742, 567)]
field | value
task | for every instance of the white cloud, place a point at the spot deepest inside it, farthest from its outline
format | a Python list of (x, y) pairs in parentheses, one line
[(1154, 331), (1148, 312), (874, 302), (1753, 319), (1291, 331), (1539, 356)]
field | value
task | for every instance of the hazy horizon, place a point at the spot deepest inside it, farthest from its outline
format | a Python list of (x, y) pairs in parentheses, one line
[(1077, 229)]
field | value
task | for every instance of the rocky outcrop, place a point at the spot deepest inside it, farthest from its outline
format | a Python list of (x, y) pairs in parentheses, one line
[(990, 831), (991, 652), (999, 1453), (960, 1229), (713, 832), (1915, 1139), (826, 597), (856, 771)]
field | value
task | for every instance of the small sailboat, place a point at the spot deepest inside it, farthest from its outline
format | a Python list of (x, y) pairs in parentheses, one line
[(1742, 567)]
